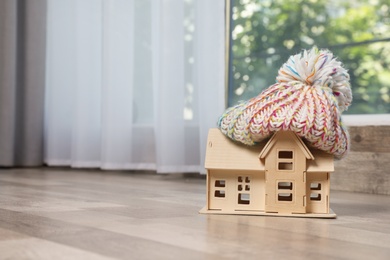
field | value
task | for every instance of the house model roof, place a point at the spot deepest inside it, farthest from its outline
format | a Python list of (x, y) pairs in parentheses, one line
[(323, 162), (223, 153), (291, 136)]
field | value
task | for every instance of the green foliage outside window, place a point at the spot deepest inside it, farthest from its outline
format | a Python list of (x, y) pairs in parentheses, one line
[(266, 32)]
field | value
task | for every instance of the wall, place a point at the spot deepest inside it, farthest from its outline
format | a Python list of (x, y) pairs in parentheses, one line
[(367, 166)]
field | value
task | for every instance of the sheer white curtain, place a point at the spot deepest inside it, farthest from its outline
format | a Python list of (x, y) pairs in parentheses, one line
[(133, 84)]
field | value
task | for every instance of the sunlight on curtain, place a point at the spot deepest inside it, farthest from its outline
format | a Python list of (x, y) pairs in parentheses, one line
[(133, 84)]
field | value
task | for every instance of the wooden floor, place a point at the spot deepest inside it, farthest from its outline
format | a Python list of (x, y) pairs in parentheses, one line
[(74, 214)]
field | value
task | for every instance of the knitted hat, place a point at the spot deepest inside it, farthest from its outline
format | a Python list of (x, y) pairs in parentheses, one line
[(311, 92)]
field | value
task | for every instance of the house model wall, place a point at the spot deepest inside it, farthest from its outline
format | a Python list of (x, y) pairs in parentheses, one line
[(279, 177)]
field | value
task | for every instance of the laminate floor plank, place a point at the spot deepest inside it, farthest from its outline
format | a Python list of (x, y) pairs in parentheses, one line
[(54, 213), (34, 248)]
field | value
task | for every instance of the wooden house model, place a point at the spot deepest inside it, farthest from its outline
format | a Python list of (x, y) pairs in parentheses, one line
[(281, 177)]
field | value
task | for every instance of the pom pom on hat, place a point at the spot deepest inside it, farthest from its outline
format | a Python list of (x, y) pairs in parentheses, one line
[(311, 92), (318, 68)]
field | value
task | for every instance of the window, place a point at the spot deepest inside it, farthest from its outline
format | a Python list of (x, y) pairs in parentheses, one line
[(285, 197), (315, 186), (219, 194), (285, 154), (220, 183), (265, 33), (244, 190), (285, 166), (244, 198), (285, 186), (219, 188), (285, 191), (285, 160), (315, 195)]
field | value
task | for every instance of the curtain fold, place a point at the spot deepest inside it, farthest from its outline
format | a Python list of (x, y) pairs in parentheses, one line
[(118, 72), (210, 69), (133, 84), (169, 82), (22, 81)]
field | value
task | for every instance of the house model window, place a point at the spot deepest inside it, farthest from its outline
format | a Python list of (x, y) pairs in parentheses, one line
[(315, 194), (244, 190), (285, 189), (220, 188), (285, 160)]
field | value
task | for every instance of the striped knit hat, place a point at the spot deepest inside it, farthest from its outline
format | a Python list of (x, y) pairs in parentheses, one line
[(311, 92)]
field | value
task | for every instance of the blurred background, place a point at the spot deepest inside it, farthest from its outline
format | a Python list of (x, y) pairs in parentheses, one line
[(265, 33), (110, 84), (136, 84)]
